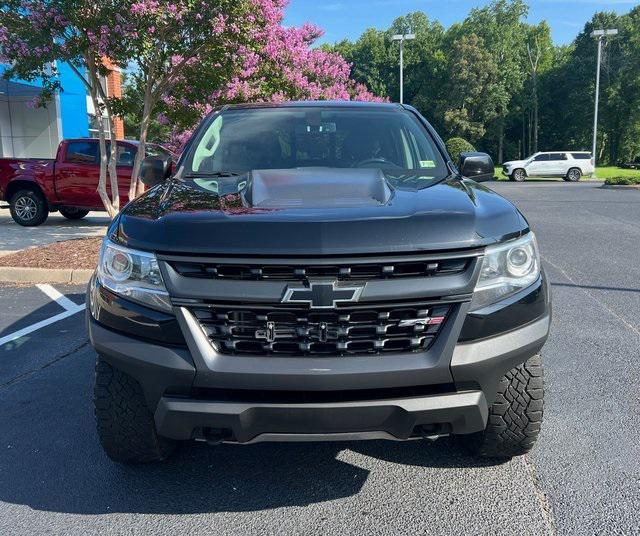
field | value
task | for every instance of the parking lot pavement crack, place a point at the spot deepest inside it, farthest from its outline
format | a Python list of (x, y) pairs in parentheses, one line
[(30, 373), (541, 496), (625, 322)]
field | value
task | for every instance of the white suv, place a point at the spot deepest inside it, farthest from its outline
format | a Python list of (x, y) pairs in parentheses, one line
[(568, 165)]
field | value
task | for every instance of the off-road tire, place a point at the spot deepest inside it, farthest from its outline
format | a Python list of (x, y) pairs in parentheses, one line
[(73, 213), (28, 208), (515, 417), (573, 175), (518, 175), (125, 425)]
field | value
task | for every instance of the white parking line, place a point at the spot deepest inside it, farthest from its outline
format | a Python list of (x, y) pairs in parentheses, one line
[(58, 297), (69, 307)]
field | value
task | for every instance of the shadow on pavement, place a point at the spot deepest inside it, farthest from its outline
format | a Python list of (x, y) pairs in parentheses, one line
[(50, 458), (45, 310), (202, 479), (596, 287)]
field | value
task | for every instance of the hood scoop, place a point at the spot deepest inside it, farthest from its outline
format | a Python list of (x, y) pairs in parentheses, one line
[(317, 188)]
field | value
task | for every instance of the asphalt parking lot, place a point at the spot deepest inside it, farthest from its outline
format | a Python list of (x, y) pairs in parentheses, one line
[(583, 477)]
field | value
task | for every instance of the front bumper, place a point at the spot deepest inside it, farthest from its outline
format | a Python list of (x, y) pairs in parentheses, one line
[(250, 422), (185, 409)]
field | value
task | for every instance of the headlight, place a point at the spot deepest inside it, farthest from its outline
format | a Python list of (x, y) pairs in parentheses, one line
[(506, 269), (133, 275)]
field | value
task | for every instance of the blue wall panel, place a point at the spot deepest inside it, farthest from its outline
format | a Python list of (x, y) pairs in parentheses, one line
[(34, 83), (73, 104)]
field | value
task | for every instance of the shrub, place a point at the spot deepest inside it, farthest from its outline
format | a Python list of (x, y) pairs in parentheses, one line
[(455, 146), (623, 181)]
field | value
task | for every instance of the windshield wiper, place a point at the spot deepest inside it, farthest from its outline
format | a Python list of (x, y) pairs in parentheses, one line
[(209, 174)]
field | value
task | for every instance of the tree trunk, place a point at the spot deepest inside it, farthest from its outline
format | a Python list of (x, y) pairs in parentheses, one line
[(102, 181), (97, 105), (524, 136), (534, 61), (603, 146), (113, 162), (136, 187), (113, 159), (501, 140), (529, 144), (535, 111)]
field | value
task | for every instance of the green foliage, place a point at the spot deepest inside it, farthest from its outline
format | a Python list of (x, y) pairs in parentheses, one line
[(472, 90), (374, 57), (487, 79), (623, 181), (130, 108), (455, 146)]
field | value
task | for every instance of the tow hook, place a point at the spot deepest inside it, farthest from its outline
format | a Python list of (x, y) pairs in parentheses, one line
[(216, 436)]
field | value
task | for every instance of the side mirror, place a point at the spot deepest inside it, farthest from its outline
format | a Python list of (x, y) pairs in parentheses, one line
[(155, 170), (476, 166)]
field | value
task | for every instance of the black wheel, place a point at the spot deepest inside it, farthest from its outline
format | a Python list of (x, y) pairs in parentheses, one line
[(518, 175), (125, 425), (515, 417), (73, 213), (28, 208), (573, 175)]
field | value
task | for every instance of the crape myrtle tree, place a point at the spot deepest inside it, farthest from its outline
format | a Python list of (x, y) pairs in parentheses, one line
[(178, 45), (35, 34), (254, 58), (185, 56)]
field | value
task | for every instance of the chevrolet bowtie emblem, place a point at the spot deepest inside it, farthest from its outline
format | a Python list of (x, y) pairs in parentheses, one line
[(322, 294)]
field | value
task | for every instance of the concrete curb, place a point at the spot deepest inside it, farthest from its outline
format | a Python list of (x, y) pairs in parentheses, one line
[(10, 274), (621, 186)]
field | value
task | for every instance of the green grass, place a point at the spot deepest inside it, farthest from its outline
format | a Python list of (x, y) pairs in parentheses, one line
[(613, 171), (602, 173)]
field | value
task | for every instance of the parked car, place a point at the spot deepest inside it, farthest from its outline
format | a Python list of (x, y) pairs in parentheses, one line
[(318, 271), (634, 164), (570, 165), (68, 183)]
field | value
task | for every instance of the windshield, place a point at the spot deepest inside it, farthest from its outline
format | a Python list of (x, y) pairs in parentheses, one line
[(242, 140)]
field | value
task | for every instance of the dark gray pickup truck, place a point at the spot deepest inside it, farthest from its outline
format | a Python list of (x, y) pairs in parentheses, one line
[(318, 271)]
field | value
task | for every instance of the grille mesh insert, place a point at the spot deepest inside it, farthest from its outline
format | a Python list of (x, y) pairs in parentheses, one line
[(343, 331)]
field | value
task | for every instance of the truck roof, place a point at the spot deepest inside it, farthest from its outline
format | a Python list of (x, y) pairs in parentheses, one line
[(312, 104), (91, 138)]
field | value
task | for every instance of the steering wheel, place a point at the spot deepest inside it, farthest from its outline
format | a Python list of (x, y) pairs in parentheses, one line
[(376, 160)]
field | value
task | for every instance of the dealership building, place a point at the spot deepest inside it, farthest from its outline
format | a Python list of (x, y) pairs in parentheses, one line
[(34, 132)]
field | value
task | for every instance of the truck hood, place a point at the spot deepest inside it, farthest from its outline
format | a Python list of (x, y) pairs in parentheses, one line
[(273, 215), (515, 163)]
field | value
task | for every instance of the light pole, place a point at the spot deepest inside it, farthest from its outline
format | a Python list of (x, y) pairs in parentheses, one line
[(600, 35), (402, 38)]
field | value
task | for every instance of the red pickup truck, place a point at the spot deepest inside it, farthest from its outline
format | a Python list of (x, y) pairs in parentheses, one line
[(36, 186)]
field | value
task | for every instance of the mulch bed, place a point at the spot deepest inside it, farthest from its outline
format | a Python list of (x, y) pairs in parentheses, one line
[(77, 253)]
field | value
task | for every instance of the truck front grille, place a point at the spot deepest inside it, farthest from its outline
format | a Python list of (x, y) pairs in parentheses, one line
[(339, 271), (371, 329)]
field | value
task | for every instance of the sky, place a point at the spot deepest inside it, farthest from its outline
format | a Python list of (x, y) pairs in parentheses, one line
[(349, 18)]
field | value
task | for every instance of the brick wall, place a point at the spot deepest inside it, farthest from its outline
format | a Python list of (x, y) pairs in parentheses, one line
[(114, 89)]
